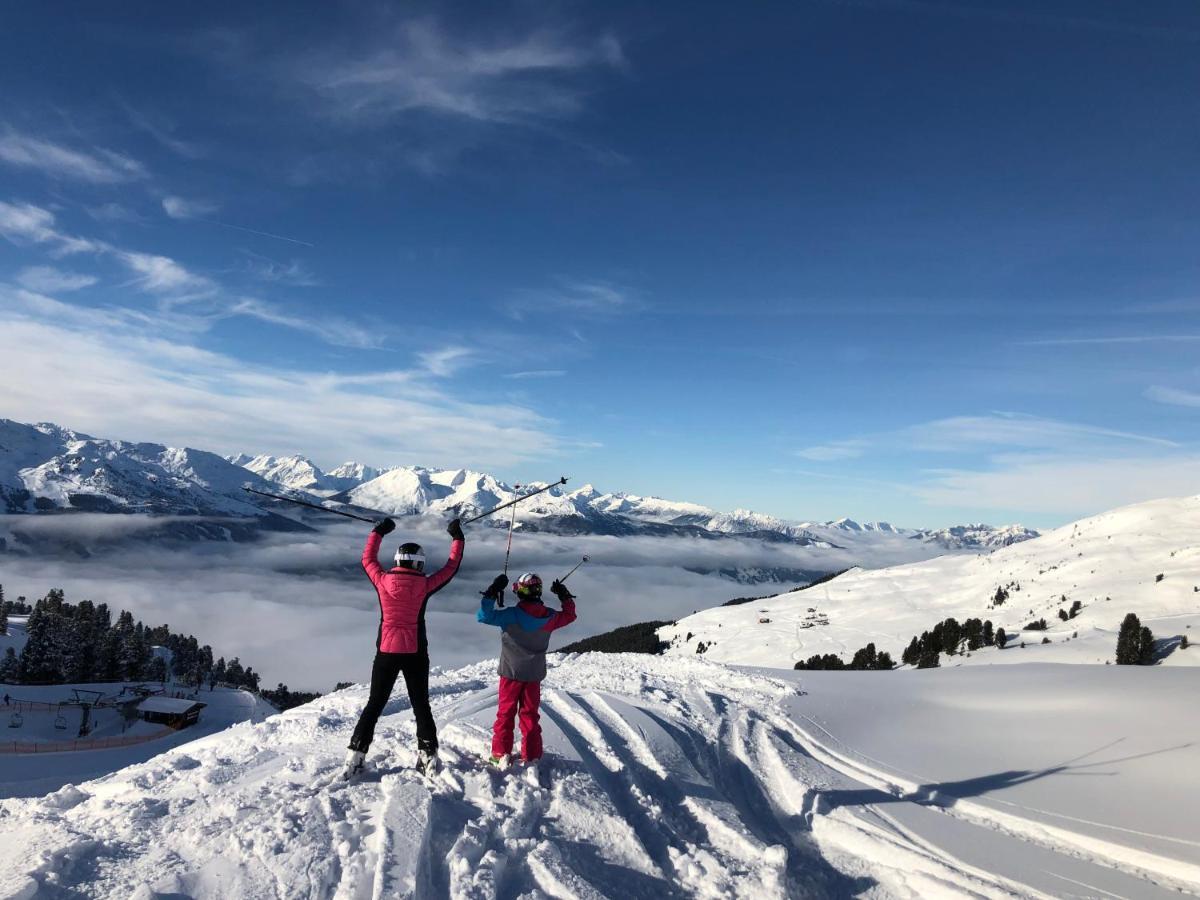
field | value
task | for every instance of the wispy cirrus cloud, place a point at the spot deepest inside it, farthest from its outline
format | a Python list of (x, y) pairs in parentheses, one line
[(113, 372), (162, 131), (24, 224), (187, 301), (1172, 396), (536, 373), (417, 67), (333, 330), (591, 298), (181, 208), (1021, 463), (445, 361), (292, 273), (163, 275), (96, 165), (47, 279), (835, 450), (996, 432)]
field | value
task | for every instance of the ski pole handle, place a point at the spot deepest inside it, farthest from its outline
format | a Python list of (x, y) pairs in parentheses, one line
[(572, 572)]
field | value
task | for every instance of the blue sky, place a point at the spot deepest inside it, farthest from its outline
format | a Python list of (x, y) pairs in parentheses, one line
[(900, 259)]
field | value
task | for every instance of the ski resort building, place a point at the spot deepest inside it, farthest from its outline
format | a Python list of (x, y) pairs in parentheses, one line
[(171, 711)]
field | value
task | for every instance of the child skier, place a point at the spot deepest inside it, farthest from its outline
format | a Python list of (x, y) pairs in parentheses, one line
[(401, 645), (523, 646)]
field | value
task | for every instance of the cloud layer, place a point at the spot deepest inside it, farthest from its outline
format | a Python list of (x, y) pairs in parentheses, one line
[(299, 609)]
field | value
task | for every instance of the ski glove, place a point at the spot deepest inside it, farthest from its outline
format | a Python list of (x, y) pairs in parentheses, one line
[(384, 526), (455, 530), (559, 590), (496, 588)]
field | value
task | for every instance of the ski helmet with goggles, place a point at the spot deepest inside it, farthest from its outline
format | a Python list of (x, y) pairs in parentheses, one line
[(411, 556), (528, 586)]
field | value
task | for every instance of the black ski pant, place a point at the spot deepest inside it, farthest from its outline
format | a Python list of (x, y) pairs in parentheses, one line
[(384, 671)]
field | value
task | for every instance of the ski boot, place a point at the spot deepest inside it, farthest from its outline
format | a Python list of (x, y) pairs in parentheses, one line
[(502, 763), (356, 765), (428, 763)]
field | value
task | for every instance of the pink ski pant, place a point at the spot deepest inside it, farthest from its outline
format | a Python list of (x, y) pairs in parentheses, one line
[(518, 697)]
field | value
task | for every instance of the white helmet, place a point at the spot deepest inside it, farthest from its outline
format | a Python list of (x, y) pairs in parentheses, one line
[(410, 556)]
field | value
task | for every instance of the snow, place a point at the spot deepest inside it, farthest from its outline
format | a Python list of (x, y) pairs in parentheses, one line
[(1109, 562), (166, 705), (47, 467), (666, 776), (31, 775)]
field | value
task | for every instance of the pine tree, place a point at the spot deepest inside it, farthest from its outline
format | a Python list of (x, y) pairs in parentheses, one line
[(1001, 638), (864, 658), (40, 659), (1145, 647), (1129, 641), (989, 636), (108, 661), (884, 661), (10, 668), (929, 658), (3, 617), (912, 653)]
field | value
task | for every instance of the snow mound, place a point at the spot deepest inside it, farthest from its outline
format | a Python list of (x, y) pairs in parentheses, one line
[(664, 777)]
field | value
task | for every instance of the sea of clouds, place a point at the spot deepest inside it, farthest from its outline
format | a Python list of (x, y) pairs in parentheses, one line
[(299, 609)]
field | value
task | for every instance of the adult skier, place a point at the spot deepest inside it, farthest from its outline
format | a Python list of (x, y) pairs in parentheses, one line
[(401, 646), (523, 644)]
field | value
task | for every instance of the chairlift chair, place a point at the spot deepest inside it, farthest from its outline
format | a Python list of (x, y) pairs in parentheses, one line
[(16, 720), (60, 722)]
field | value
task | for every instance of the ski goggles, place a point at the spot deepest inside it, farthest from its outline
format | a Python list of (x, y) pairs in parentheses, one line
[(418, 559)]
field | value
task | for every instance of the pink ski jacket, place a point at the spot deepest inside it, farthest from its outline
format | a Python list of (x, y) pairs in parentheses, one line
[(403, 594)]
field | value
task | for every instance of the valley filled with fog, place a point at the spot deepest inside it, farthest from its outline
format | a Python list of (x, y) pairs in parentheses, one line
[(299, 609)]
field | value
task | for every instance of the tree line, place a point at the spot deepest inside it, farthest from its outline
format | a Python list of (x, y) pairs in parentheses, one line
[(74, 643)]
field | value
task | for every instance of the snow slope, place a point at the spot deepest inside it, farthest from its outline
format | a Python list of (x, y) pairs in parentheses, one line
[(1110, 563), (32, 775), (667, 777)]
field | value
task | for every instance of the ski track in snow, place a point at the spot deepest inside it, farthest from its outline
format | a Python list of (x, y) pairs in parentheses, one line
[(666, 778)]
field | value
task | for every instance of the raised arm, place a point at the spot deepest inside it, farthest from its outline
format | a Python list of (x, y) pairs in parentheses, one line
[(371, 557), (489, 615), (442, 576), (564, 618), (567, 615)]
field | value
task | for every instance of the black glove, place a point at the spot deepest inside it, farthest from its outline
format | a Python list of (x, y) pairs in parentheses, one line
[(384, 526), (496, 588), (559, 590), (455, 530)]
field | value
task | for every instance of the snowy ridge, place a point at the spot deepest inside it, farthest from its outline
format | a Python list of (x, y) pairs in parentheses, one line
[(1118, 555), (44, 467), (299, 473), (665, 777)]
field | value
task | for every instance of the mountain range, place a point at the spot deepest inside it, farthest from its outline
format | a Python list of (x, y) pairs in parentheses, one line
[(46, 468)]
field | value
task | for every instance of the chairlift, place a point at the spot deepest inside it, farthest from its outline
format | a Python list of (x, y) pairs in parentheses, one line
[(60, 722), (16, 720)]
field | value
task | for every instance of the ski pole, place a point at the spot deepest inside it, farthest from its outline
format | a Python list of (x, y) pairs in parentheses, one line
[(484, 515), (572, 572), (511, 524), (336, 512)]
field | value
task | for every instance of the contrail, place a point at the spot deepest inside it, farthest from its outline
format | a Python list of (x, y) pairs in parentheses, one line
[(278, 237)]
